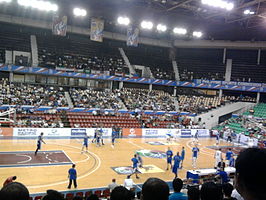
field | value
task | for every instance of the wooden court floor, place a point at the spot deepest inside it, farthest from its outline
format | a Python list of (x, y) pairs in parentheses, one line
[(94, 167)]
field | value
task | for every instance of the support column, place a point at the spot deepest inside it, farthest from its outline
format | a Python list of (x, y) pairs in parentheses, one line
[(259, 55), (220, 93), (258, 97), (224, 55), (111, 85), (121, 85), (228, 70), (150, 87), (11, 77), (175, 90)]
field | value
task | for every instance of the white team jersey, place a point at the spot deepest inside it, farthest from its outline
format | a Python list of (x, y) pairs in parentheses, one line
[(218, 155)]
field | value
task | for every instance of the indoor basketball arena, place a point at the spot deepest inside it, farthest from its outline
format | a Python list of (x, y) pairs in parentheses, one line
[(132, 99)]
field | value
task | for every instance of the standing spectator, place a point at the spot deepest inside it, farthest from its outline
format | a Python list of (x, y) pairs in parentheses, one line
[(155, 189), (177, 195), (112, 185), (9, 180), (211, 191), (14, 191), (227, 190), (250, 174), (72, 175)]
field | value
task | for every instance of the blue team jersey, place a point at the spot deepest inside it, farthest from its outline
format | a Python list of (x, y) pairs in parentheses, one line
[(177, 160), (39, 139), (195, 151), (85, 140), (183, 154), (169, 154), (135, 162), (232, 162), (228, 155), (72, 173), (114, 133)]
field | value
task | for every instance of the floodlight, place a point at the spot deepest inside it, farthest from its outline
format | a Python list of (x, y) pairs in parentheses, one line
[(123, 20), (40, 5), (161, 28), (79, 12), (180, 31), (219, 3), (248, 12), (146, 25), (197, 34), (5, 1)]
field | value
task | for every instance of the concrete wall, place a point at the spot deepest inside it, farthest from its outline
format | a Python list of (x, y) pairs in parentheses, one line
[(211, 118)]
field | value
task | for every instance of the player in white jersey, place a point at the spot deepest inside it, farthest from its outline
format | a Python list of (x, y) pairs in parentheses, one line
[(218, 157)]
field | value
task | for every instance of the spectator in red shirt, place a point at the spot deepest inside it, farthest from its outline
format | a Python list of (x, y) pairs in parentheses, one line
[(9, 180)]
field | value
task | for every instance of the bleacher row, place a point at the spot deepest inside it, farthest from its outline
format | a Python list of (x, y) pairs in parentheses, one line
[(78, 52)]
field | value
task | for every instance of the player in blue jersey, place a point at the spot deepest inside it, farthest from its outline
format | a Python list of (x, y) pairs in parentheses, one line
[(232, 161), (177, 160), (39, 143), (114, 134), (135, 163), (228, 156), (169, 156), (182, 157), (195, 152), (85, 143)]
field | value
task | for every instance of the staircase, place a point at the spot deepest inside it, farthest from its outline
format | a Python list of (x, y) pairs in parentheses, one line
[(176, 71), (69, 101), (125, 58)]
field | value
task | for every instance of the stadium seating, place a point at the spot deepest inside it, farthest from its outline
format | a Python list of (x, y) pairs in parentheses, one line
[(144, 99), (90, 98)]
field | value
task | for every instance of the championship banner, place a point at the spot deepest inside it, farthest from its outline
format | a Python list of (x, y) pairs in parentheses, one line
[(97, 26), (132, 36), (59, 25)]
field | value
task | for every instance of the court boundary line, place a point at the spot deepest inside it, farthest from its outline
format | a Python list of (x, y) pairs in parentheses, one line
[(68, 157)]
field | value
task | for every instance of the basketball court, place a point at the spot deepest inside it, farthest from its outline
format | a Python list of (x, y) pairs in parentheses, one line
[(97, 167)]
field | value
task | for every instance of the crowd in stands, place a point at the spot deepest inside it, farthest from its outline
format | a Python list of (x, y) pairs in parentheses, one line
[(90, 98), (33, 95), (249, 184), (143, 99), (247, 124)]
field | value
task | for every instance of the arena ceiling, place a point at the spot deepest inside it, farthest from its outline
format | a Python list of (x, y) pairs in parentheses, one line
[(215, 23)]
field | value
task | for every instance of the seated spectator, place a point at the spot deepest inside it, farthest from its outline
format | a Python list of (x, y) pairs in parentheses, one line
[(155, 189), (250, 174), (120, 193), (236, 195), (128, 183), (177, 195), (227, 190), (93, 197), (211, 191), (113, 184), (53, 195), (222, 175), (14, 191), (77, 198), (9, 180), (193, 193)]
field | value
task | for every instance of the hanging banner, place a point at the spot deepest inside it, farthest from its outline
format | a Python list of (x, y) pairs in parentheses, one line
[(97, 26), (59, 25), (132, 36)]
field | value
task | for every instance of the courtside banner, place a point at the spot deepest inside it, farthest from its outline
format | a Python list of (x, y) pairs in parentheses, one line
[(59, 132), (132, 132), (6, 132), (160, 132)]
